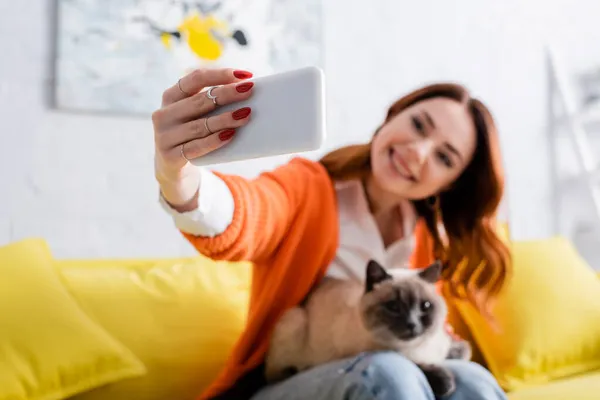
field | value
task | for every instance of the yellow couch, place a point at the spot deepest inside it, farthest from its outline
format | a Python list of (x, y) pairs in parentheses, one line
[(160, 329)]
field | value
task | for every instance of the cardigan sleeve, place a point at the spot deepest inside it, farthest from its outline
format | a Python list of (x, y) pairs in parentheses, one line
[(264, 209)]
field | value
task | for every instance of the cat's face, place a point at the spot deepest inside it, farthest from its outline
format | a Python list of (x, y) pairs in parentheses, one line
[(402, 308)]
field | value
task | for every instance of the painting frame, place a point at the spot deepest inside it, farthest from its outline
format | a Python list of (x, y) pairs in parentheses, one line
[(117, 57)]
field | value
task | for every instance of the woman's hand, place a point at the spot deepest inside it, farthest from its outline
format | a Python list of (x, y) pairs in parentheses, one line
[(182, 132)]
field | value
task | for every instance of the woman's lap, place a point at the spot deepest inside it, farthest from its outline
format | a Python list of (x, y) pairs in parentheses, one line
[(381, 376)]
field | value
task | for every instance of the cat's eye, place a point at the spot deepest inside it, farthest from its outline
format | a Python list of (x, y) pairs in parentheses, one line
[(392, 306), (426, 305)]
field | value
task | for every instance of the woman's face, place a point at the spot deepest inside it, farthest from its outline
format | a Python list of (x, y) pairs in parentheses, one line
[(423, 149)]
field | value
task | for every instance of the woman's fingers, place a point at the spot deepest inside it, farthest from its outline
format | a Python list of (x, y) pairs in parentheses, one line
[(181, 133), (200, 147), (199, 79), (204, 127), (199, 104)]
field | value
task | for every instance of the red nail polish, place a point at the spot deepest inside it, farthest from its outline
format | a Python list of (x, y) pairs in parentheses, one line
[(244, 87), (241, 113), (226, 134), (242, 74)]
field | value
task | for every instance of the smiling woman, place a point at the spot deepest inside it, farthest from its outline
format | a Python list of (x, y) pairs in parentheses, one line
[(438, 147), (431, 172)]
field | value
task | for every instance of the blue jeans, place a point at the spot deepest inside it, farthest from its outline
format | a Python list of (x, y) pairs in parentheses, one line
[(381, 376)]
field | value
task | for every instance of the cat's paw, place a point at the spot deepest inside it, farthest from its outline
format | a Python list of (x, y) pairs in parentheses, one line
[(460, 350), (440, 379)]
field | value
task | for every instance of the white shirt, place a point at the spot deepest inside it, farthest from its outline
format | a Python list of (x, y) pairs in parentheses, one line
[(360, 239)]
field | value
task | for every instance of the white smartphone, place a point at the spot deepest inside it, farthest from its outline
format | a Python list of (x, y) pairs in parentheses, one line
[(288, 116)]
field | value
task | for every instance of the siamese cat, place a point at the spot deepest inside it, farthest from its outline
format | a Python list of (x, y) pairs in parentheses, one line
[(341, 318)]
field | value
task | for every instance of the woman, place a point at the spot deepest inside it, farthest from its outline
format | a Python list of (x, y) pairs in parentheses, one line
[(427, 186)]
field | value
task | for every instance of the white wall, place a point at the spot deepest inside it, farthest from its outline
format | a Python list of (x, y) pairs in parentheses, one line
[(56, 181)]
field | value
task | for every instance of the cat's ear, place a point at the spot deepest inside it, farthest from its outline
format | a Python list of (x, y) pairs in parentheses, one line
[(432, 273), (375, 274)]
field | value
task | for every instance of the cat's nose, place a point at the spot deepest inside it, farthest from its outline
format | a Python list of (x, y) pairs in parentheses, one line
[(411, 326)]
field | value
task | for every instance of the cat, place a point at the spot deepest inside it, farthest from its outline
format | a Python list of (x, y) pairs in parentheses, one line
[(342, 318)]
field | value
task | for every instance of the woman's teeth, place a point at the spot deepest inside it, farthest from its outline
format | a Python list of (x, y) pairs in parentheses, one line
[(402, 169)]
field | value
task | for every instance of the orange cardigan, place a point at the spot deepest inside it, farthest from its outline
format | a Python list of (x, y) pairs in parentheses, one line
[(285, 222)]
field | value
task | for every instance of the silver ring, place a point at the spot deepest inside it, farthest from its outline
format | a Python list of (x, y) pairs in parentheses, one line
[(211, 96), (183, 153), (206, 126), (180, 89)]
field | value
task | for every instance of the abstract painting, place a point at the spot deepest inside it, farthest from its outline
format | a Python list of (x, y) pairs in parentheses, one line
[(118, 56)]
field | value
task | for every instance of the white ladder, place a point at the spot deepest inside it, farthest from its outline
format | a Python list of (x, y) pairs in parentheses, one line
[(576, 119)]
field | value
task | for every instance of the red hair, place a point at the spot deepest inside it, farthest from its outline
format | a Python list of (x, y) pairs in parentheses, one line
[(476, 261)]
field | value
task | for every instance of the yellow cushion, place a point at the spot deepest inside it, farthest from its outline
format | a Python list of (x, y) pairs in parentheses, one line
[(181, 317), (549, 317), (49, 348), (584, 387)]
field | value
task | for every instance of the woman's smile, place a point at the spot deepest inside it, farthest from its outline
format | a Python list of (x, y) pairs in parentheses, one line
[(400, 166)]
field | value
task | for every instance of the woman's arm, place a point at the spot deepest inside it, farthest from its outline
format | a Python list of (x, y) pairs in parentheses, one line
[(206, 215), (224, 216), (183, 131), (239, 219)]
